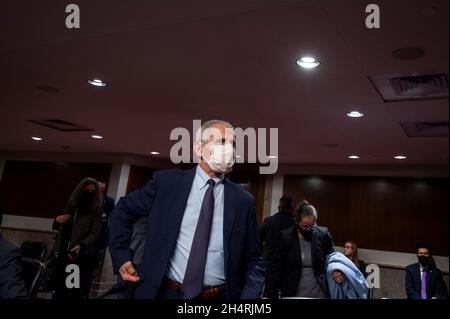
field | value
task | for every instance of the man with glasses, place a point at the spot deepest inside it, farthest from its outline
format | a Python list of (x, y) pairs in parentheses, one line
[(296, 263)]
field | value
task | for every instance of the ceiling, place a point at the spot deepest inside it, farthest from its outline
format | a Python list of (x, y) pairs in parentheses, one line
[(169, 62)]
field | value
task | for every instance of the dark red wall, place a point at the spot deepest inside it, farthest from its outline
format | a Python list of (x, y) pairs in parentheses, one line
[(42, 189), (378, 213)]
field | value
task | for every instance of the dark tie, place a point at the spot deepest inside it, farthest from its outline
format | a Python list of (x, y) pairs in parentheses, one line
[(423, 290), (195, 269)]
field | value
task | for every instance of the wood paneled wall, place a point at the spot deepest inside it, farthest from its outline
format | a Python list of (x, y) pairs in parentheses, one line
[(138, 177), (42, 189), (378, 213)]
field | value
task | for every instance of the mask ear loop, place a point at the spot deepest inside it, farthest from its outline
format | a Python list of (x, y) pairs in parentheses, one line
[(202, 151)]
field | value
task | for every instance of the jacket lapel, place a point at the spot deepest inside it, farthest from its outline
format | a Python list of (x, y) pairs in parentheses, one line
[(229, 211), (182, 190), (297, 249), (429, 275), (418, 276)]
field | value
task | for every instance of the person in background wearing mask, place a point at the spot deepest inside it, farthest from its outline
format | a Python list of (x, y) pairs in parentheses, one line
[(78, 231), (296, 263), (423, 279), (202, 241)]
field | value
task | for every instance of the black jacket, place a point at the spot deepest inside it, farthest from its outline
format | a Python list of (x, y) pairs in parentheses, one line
[(284, 264), (12, 285), (435, 284), (272, 226), (108, 205)]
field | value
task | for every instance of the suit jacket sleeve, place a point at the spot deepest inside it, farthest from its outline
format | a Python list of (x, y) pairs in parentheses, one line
[(253, 262), (127, 211), (441, 288), (109, 206), (275, 254), (12, 285), (262, 235), (329, 246), (409, 285)]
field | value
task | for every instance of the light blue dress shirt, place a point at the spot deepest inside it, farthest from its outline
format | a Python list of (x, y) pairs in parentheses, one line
[(214, 269)]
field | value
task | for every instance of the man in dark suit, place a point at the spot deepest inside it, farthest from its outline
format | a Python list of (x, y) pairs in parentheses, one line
[(12, 285), (108, 206), (272, 225), (201, 237), (296, 259), (423, 279)]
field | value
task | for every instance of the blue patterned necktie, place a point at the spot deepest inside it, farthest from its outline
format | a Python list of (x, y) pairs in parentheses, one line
[(195, 269)]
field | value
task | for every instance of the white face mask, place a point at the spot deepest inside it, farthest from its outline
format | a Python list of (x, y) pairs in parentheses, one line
[(220, 158)]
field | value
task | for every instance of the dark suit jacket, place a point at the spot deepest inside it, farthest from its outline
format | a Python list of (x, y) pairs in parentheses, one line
[(108, 205), (12, 285), (164, 200), (272, 225), (435, 284), (284, 262)]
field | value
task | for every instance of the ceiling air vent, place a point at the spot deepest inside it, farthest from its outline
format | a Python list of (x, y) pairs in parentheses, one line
[(411, 86), (61, 125), (425, 129)]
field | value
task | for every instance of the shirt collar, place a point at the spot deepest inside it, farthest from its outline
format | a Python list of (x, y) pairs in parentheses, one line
[(202, 178)]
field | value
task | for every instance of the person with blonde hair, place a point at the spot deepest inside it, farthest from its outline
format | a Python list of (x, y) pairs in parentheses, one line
[(351, 252)]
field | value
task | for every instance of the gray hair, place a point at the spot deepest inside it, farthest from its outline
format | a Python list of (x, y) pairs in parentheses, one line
[(199, 138), (305, 209)]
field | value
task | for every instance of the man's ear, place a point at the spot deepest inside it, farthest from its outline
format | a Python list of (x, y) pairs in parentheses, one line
[(198, 148)]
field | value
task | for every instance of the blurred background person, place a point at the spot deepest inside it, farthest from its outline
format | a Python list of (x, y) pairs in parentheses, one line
[(78, 232), (423, 279), (296, 261), (108, 206), (272, 225), (12, 285), (351, 252)]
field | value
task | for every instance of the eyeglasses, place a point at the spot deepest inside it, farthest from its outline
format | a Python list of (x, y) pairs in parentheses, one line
[(307, 227)]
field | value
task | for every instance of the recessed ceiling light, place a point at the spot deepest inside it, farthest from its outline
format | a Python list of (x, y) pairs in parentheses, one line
[(97, 137), (428, 12), (272, 156), (47, 88), (155, 153), (308, 62), (355, 114), (353, 157), (36, 138), (408, 53), (329, 145), (97, 82), (400, 157)]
